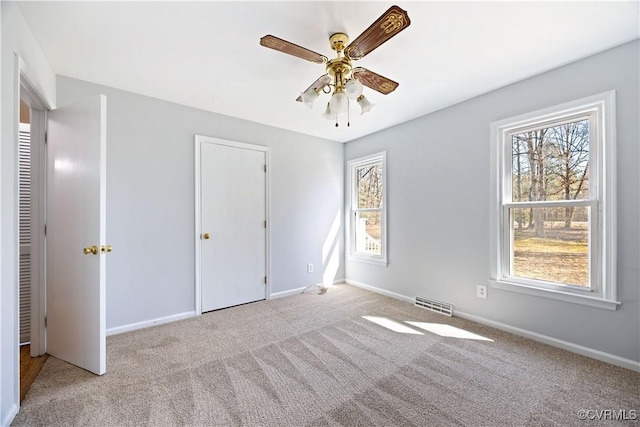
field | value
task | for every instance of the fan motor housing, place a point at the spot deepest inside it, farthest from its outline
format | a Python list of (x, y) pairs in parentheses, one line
[(339, 66)]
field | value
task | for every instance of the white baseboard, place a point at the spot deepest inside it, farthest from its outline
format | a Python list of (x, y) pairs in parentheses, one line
[(286, 293), (299, 290), (13, 411), (565, 345), (148, 323), (380, 291)]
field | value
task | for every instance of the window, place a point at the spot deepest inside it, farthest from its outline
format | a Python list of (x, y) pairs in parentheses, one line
[(553, 217), (367, 222)]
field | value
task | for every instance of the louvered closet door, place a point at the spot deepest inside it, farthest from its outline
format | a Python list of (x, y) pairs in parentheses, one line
[(25, 231)]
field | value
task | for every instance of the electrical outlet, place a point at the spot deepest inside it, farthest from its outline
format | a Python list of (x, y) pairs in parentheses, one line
[(309, 268), (481, 291)]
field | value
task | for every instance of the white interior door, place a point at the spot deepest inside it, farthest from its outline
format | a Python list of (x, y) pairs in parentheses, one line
[(76, 193), (233, 225)]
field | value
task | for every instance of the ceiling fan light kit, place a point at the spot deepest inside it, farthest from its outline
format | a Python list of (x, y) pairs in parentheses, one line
[(364, 104), (339, 103), (347, 83), (353, 88), (327, 113), (309, 96)]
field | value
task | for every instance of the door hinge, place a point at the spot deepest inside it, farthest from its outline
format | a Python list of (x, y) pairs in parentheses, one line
[(265, 280), (265, 168), (46, 137), (265, 224), (45, 229), (45, 321)]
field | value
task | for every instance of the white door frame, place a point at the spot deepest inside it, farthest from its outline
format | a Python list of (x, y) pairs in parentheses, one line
[(199, 140)]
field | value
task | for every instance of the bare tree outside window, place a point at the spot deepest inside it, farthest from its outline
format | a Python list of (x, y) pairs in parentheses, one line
[(369, 209), (367, 228), (551, 164), (569, 164), (370, 186)]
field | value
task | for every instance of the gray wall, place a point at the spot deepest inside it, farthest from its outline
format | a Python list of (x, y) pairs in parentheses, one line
[(150, 200), (438, 205)]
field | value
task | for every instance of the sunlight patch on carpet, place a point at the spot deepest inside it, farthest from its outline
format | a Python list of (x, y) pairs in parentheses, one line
[(392, 325), (448, 331)]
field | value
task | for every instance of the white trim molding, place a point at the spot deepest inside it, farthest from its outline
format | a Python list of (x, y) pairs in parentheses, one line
[(296, 291), (149, 323), (288, 293), (380, 291), (565, 345), (11, 414), (555, 294)]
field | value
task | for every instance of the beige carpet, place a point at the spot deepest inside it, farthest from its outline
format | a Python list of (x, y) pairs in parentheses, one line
[(313, 360)]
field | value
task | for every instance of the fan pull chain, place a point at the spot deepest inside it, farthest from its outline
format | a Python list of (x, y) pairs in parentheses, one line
[(336, 120), (348, 113)]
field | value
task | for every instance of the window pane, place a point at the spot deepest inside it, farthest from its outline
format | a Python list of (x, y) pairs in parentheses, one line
[(551, 244), (369, 181), (551, 163), (369, 232)]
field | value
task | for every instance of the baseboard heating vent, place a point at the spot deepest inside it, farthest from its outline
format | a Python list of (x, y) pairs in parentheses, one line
[(436, 306)]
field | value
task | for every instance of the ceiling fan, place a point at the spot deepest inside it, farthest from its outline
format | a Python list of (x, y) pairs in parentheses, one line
[(347, 81)]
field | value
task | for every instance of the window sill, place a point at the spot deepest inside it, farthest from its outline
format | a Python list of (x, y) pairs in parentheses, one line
[(557, 295), (367, 260)]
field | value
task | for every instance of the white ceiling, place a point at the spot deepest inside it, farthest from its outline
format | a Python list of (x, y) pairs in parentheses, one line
[(206, 54)]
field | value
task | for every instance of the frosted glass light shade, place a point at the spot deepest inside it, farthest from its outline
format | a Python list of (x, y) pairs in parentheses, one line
[(328, 114), (339, 103), (364, 104), (353, 88), (308, 96)]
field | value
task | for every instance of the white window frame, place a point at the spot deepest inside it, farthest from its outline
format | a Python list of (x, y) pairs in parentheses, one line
[(352, 183), (600, 109)]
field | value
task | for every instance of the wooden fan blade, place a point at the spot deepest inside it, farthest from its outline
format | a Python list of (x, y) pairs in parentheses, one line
[(375, 81), (318, 84), (292, 49), (388, 25)]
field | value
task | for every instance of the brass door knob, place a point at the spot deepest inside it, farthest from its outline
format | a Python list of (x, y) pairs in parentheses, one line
[(90, 250), (206, 236), (105, 248)]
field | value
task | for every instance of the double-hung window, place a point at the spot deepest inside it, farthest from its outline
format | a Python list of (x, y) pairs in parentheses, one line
[(367, 213), (553, 212)]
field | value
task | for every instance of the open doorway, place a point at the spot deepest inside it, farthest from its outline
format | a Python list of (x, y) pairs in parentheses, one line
[(30, 239)]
